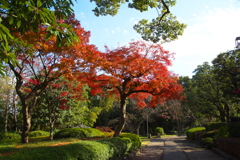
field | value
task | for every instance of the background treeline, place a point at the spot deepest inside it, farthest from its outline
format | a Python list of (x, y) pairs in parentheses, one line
[(211, 95)]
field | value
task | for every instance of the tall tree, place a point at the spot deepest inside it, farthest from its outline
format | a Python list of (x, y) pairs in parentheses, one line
[(6, 98), (211, 97), (42, 61), (226, 67), (137, 70)]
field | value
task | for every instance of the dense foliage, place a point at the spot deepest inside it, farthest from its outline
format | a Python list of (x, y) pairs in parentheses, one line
[(38, 133), (104, 149), (9, 136), (191, 132), (159, 130), (78, 133)]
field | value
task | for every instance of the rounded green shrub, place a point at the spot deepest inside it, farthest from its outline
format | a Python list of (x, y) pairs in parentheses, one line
[(117, 146), (38, 133), (191, 132), (70, 133), (9, 136), (135, 139), (93, 132), (207, 142), (159, 130)]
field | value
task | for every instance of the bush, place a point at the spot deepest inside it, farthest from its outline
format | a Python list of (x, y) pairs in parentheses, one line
[(78, 133), (135, 139), (38, 133), (117, 146), (214, 125), (9, 136), (208, 142), (70, 133), (104, 149), (85, 150), (159, 130), (222, 132), (92, 132), (191, 132)]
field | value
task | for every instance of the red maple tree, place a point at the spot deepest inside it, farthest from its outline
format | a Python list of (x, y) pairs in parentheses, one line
[(41, 61), (137, 70)]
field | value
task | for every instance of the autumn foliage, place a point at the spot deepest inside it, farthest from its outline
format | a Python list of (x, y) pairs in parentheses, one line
[(41, 60), (138, 70)]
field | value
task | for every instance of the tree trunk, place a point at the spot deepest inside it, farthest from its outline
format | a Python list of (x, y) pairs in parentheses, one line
[(15, 112), (51, 130), (26, 123), (123, 116), (6, 114), (138, 127), (27, 107)]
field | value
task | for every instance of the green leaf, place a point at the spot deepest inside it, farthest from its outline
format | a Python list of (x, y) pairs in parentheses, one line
[(39, 3), (19, 23), (10, 20)]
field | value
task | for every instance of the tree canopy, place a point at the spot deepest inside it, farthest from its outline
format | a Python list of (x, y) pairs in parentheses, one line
[(165, 27), (25, 15), (138, 70)]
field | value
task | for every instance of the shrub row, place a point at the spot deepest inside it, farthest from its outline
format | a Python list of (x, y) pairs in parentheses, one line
[(225, 129), (103, 149), (78, 133), (214, 125), (9, 136), (191, 132), (38, 133)]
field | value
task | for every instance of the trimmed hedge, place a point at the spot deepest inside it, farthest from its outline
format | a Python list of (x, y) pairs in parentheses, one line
[(9, 136), (93, 132), (191, 132), (117, 146), (159, 130), (39, 133), (135, 140), (214, 125), (104, 149), (78, 133)]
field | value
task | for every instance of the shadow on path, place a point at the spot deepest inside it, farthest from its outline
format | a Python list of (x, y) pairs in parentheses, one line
[(175, 148)]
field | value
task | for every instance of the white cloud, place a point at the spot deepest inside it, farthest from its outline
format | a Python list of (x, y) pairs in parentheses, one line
[(212, 33)]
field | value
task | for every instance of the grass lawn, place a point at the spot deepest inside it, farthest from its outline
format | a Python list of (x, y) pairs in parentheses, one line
[(15, 146), (11, 147)]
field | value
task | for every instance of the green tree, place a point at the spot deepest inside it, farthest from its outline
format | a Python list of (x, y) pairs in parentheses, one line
[(226, 67), (165, 27), (212, 100), (26, 15)]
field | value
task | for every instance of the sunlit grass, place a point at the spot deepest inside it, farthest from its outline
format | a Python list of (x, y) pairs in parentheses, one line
[(15, 146)]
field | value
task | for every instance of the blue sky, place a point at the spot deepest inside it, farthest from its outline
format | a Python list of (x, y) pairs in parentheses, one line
[(212, 26)]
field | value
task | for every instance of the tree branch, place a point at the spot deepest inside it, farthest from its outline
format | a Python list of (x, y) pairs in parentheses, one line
[(168, 11)]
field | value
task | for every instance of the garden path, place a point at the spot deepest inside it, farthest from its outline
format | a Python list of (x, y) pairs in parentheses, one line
[(176, 148)]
